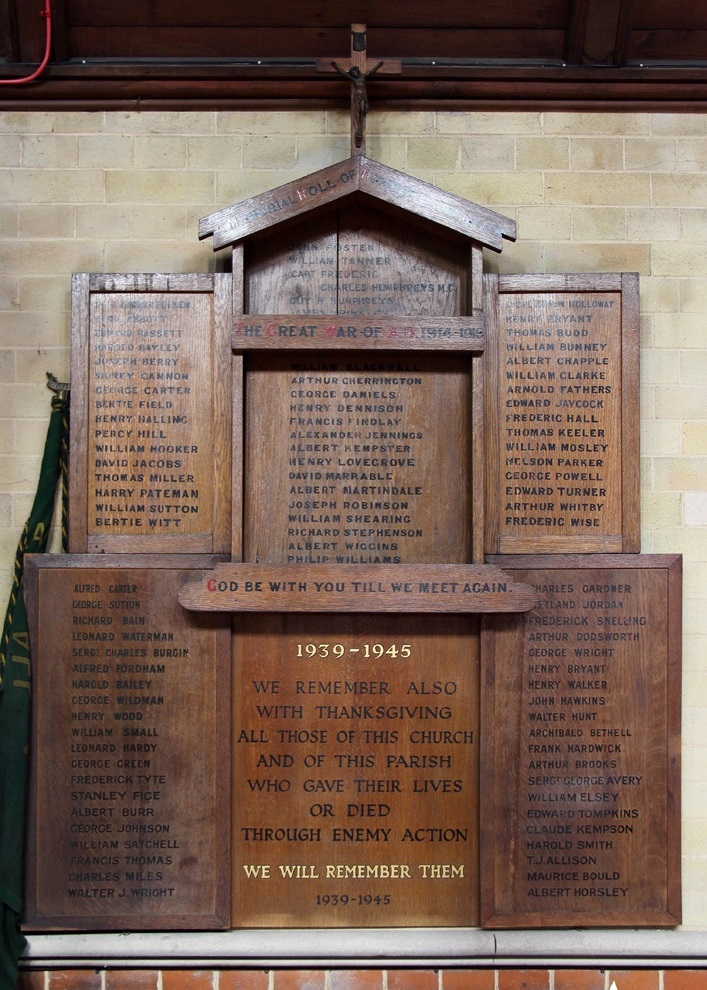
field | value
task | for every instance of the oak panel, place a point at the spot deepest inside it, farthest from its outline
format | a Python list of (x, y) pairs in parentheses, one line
[(581, 746), (131, 747), (355, 771), (445, 588), (562, 423), (151, 413), (352, 459)]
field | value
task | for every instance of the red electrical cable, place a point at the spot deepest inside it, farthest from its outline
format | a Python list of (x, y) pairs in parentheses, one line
[(47, 15)]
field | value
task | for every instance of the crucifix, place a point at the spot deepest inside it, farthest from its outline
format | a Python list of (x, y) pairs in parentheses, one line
[(356, 70)]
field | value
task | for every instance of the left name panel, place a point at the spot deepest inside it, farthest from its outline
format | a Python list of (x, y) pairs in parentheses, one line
[(131, 747), (151, 426)]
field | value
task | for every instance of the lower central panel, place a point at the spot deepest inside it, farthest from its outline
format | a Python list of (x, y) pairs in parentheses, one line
[(355, 771)]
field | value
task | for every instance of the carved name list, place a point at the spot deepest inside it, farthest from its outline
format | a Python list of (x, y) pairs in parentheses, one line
[(564, 366), (152, 364), (127, 767), (355, 461), (576, 757)]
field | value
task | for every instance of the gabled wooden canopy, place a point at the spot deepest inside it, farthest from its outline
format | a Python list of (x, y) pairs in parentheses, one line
[(357, 176)]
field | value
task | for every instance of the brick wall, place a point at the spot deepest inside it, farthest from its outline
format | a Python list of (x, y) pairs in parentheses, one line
[(591, 192), (368, 979)]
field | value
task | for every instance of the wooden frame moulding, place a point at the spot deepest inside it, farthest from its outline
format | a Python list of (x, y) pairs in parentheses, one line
[(238, 409)]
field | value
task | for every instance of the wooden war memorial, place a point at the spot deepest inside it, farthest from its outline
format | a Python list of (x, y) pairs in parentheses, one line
[(354, 547)]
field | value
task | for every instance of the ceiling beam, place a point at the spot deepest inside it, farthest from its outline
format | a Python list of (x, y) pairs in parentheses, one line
[(490, 87), (8, 31), (23, 28), (623, 31), (29, 30), (598, 32), (60, 31)]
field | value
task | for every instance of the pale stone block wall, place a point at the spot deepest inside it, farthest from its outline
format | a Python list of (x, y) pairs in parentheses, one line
[(591, 192)]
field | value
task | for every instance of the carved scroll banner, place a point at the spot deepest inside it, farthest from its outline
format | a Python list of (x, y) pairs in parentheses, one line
[(562, 414), (448, 588), (452, 333), (355, 771), (131, 747), (580, 748), (151, 414)]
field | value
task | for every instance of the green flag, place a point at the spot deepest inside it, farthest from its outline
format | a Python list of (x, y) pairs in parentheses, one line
[(15, 703)]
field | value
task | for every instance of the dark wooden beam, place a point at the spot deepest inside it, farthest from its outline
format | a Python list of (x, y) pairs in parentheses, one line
[(8, 30), (297, 14), (251, 42), (623, 33), (598, 32), (61, 51), (576, 31), (109, 87), (31, 30), (685, 45)]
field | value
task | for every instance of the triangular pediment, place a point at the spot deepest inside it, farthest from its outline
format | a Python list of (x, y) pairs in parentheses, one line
[(355, 177)]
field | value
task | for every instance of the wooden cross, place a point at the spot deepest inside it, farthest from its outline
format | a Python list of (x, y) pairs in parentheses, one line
[(356, 70)]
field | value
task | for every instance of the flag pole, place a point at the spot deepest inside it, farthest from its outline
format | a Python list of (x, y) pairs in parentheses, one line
[(15, 690)]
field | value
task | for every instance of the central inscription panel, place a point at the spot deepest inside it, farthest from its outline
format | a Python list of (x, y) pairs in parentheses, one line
[(356, 770), (354, 262), (368, 459)]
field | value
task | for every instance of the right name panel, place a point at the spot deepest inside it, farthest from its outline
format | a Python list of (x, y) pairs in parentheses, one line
[(580, 746), (562, 414)]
